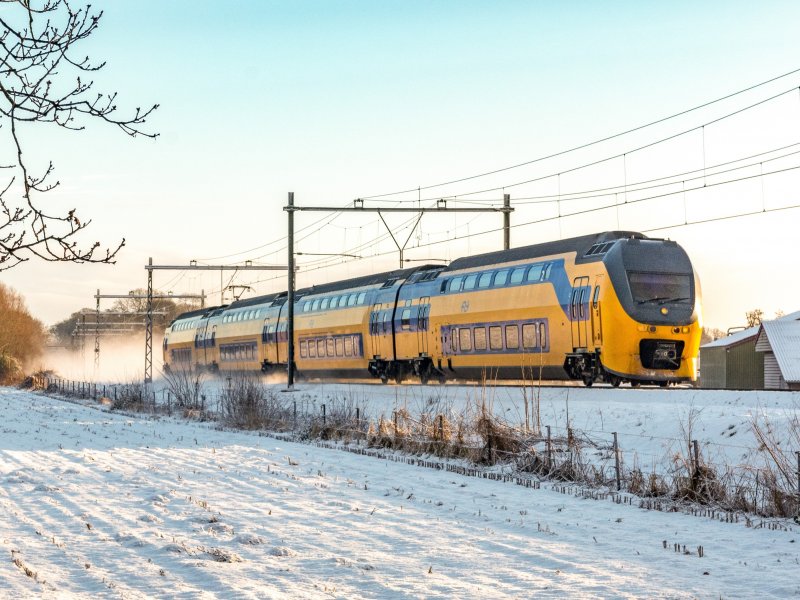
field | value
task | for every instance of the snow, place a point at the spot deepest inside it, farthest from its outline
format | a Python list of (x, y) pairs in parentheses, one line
[(100, 504)]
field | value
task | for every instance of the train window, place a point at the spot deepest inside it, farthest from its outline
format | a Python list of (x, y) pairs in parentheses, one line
[(351, 300), (542, 336), (312, 349), (496, 337), (469, 282), (315, 304), (330, 347), (500, 278), (535, 273), (596, 298), (512, 337), (325, 303), (303, 349), (362, 298), (465, 339), (517, 275), (422, 316), (480, 338), (443, 287), (405, 319), (584, 294), (546, 271), (348, 346), (529, 335), (455, 284), (386, 326), (339, 346), (485, 280), (356, 346), (334, 302), (321, 348)]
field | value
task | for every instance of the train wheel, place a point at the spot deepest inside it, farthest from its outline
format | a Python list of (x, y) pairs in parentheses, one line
[(634, 383), (588, 380), (663, 384), (384, 378), (615, 381)]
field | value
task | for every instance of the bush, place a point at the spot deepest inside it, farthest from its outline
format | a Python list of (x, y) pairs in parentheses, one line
[(247, 403)]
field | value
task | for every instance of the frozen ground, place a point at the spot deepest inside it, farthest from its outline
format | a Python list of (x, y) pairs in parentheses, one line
[(97, 504)]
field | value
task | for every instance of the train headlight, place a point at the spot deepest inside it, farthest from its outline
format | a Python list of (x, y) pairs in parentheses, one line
[(664, 310)]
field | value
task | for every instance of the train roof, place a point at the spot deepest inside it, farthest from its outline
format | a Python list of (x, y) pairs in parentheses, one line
[(192, 313), (580, 245), (374, 279), (266, 299)]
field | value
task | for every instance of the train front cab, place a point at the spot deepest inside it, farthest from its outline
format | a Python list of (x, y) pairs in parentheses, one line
[(638, 319)]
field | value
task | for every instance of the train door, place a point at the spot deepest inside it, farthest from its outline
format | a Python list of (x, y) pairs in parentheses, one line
[(375, 324), (270, 350), (594, 309), (578, 312), (422, 325), (200, 343)]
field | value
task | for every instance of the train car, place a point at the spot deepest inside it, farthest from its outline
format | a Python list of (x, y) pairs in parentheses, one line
[(238, 335), (179, 340), (613, 307), (610, 307), (336, 329)]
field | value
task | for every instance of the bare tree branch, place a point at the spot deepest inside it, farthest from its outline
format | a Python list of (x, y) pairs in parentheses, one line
[(41, 82)]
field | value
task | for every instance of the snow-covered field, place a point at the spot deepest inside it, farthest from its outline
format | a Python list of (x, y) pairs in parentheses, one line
[(99, 504)]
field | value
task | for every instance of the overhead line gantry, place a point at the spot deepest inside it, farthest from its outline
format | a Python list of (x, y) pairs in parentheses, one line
[(358, 206)]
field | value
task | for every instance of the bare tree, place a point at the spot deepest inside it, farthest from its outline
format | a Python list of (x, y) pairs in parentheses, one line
[(43, 80), (754, 317)]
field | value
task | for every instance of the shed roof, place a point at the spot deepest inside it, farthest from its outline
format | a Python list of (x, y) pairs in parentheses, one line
[(747, 334), (782, 336), (733, 339)]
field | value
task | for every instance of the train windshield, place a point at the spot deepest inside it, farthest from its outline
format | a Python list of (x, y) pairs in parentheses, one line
[(660, 288)]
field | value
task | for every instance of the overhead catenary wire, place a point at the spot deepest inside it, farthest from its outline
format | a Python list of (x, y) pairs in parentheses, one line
[(592, 210), (615, 156), (582, 146)]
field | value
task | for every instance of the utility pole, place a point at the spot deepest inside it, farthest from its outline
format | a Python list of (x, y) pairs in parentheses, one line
[(507, 222), (97, 333), (358, 206), (290, 297)]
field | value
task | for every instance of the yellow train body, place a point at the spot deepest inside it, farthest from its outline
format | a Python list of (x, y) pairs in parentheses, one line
[(610, 307)]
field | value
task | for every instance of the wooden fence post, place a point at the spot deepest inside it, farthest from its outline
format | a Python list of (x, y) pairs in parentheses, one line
[(616, 461)]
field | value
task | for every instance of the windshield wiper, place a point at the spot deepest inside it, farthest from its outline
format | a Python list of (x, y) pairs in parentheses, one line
[(649, 300), (663, 300)]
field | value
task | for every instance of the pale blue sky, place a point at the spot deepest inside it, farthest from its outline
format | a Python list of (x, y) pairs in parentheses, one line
[(335, 100)]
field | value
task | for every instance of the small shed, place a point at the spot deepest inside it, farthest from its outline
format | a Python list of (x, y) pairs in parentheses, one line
[(779, 342), (732, 362)]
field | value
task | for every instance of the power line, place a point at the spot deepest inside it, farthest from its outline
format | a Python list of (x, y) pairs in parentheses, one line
[(621, 154), (610, 206), (582, 146), (585, 194)]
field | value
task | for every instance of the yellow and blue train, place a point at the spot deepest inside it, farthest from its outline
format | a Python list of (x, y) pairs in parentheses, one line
[(612, 307)]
